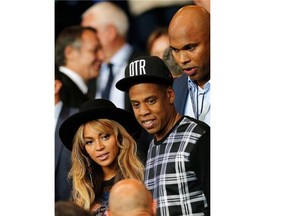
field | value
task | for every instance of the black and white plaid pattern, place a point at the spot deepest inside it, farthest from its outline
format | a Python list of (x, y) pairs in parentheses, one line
[(169, 173)]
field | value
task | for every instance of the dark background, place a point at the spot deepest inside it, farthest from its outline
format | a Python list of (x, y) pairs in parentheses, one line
[(69, 13)]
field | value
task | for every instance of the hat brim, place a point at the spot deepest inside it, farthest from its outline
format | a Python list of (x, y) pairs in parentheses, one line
[(70, 126), (126, 83)]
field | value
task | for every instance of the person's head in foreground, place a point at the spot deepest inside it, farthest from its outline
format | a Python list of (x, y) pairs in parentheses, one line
[(131, 197), (68, 208)]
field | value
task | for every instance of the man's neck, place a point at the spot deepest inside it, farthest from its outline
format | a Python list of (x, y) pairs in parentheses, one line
[(201, 83)]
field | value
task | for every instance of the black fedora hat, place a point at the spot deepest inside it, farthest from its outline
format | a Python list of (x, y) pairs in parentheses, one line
[(145, 69), (97, 109)]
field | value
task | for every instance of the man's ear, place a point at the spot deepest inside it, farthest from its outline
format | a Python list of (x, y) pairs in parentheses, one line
[(70, 52), (171, 94), (58, 85), (112, 32)]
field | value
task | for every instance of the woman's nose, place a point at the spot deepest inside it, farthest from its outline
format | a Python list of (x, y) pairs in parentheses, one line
[(99, 146)]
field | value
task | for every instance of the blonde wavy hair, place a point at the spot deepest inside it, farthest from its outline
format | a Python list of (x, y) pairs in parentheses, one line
[(85, 190)]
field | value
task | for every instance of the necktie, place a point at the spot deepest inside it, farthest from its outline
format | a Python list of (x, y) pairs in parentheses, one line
[(106, 91)]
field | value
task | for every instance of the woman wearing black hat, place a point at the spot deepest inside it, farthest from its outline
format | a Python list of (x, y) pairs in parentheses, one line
[(100, 137)]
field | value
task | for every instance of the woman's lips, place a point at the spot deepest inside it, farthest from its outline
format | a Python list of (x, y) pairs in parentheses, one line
[(103, 156)]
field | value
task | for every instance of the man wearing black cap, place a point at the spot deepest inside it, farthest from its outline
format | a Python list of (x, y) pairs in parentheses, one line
[(178, 161)]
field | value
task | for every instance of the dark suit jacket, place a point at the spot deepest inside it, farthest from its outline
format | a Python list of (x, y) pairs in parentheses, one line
[(70, 93), (180, 86), (62, 159)]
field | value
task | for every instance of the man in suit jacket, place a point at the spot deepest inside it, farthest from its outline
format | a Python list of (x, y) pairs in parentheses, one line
[(112, 27), (62, 159), (62, 155), (78, 58), (189, 37)]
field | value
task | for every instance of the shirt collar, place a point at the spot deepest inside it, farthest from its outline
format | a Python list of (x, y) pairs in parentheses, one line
[(76, 78), (194, 85), (122, 55)]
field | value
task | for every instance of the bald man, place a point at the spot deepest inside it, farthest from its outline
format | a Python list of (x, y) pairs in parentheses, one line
[(189, 38), (131, 197)]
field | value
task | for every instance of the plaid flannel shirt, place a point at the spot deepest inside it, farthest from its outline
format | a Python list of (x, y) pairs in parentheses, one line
[(178, 169)]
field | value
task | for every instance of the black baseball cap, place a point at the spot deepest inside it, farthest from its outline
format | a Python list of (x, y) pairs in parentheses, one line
[(145, 69)]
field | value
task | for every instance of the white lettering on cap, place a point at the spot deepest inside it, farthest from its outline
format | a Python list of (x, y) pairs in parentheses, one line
[(137, 68)]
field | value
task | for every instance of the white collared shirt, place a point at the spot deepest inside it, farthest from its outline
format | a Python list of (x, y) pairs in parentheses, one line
[(119, 61), (76, 78), (201, 98), (188, 108)]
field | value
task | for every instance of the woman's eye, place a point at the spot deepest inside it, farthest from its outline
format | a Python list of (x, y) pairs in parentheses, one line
[(88, 142), (105, 137)]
